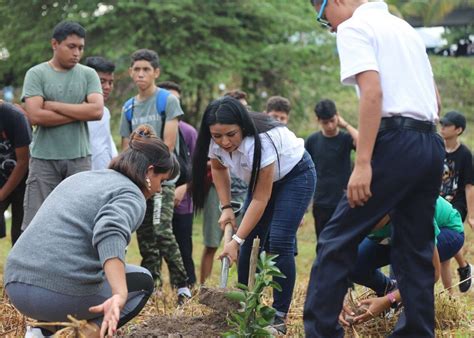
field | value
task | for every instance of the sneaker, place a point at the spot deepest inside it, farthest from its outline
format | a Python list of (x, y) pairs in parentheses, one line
[(36, 332), (182, 299), (465, 277), (278, 327)]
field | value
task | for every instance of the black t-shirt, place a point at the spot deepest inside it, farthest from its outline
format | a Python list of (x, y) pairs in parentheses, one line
[(458, 171), (332, 158), (14, 133)]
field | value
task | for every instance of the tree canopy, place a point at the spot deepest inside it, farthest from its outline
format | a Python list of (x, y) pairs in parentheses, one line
[(272, 47)]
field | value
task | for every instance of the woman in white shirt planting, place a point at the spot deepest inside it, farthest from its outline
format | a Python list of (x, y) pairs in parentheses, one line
[(281, 178)]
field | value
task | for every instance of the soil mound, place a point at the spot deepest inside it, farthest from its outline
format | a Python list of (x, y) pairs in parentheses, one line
[(212, 325)]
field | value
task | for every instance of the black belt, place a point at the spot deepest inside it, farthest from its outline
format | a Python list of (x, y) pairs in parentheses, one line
[(400, 122)]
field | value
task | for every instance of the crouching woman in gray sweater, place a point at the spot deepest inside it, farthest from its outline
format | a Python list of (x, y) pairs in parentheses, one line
[(71, 259)]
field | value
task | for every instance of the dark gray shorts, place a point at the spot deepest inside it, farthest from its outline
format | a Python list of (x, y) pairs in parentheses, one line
[(50, 306)]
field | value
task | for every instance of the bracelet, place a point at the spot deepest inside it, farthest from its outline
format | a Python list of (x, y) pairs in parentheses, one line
[(227, 206), (239, 240), (391, 297)]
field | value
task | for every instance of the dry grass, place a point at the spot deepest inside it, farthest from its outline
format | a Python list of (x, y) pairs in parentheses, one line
[(453, 313), (12, 322)]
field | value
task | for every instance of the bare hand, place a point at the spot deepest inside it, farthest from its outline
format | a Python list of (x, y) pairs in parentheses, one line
[(230, 250), (375, 306), (345, 312), (111, 310), (227, 216), (341, 122), (358, 189), (47, 105), (179, 194)]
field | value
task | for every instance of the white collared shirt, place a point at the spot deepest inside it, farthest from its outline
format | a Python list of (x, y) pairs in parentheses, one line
[(374, 39), (103, 148), (285, 151)]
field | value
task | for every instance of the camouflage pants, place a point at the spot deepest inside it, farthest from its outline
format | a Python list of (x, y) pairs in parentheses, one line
[(156, 239)]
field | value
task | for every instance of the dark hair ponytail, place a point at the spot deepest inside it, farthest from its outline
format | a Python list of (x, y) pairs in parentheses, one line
[(145, 149), (227, 110)]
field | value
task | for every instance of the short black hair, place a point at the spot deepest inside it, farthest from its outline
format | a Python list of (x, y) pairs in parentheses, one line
[(278, 103), (170, 85), (100, 64), (65, 28), (325, 109), (147, 55)]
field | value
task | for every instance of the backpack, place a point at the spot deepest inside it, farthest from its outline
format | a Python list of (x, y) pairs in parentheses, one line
[(181, 150)]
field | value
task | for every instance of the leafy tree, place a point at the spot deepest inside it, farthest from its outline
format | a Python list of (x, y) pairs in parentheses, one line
[(260, 46), (430, 11)]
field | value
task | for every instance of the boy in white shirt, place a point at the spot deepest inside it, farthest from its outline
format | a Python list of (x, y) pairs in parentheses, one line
[(397, 169)]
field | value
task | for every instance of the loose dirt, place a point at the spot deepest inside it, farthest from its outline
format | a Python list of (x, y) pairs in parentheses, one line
[(212, 325), (216, 299)]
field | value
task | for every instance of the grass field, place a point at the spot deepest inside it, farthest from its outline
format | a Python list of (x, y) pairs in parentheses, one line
[(306, 247)]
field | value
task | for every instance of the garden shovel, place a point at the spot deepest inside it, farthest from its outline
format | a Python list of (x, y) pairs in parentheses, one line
[(237, 208)]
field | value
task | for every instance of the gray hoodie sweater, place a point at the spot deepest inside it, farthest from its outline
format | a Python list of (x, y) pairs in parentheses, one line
[(86, 220)]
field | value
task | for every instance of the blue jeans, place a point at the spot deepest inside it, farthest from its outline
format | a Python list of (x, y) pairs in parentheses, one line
[(370, 257), (277, 228)]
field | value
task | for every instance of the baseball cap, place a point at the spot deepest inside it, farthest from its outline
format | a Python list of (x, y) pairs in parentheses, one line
[(454, 118)]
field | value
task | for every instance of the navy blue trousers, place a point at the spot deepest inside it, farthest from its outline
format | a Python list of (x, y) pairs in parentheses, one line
[(406, 176)]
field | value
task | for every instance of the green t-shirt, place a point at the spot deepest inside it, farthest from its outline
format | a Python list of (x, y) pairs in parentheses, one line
[(445, 216), (144, 112), (71, 140)]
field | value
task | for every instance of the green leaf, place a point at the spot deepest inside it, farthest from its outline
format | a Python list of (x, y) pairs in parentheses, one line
[(267, 312), (275, 285), (235, 295), (242, 286)]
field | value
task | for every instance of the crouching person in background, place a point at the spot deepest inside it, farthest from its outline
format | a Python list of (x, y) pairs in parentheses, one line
[(72, 258)]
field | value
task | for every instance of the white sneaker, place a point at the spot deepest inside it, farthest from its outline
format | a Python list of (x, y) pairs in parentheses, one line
[(33, 332)]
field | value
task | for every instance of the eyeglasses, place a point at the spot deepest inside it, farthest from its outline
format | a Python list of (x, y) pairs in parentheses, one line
[(319, 17)]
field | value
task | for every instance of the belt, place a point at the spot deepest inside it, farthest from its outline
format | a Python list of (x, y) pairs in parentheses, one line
[(400, 122)]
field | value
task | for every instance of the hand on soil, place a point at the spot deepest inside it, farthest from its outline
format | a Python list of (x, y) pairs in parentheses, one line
[(371, 308), (111, 310), (346, 317), (230, 250)]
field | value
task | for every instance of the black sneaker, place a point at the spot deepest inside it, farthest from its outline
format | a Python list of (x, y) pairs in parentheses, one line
[(465, 277), (278, 327), (182, 299)]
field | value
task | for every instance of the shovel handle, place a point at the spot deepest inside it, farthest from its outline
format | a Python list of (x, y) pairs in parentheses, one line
[(228, 230)]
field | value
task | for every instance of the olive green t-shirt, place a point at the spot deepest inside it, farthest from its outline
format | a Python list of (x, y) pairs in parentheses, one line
[(144, 112), (67, 141)]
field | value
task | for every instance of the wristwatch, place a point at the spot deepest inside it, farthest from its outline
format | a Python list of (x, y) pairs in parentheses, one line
[(239, 240)]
